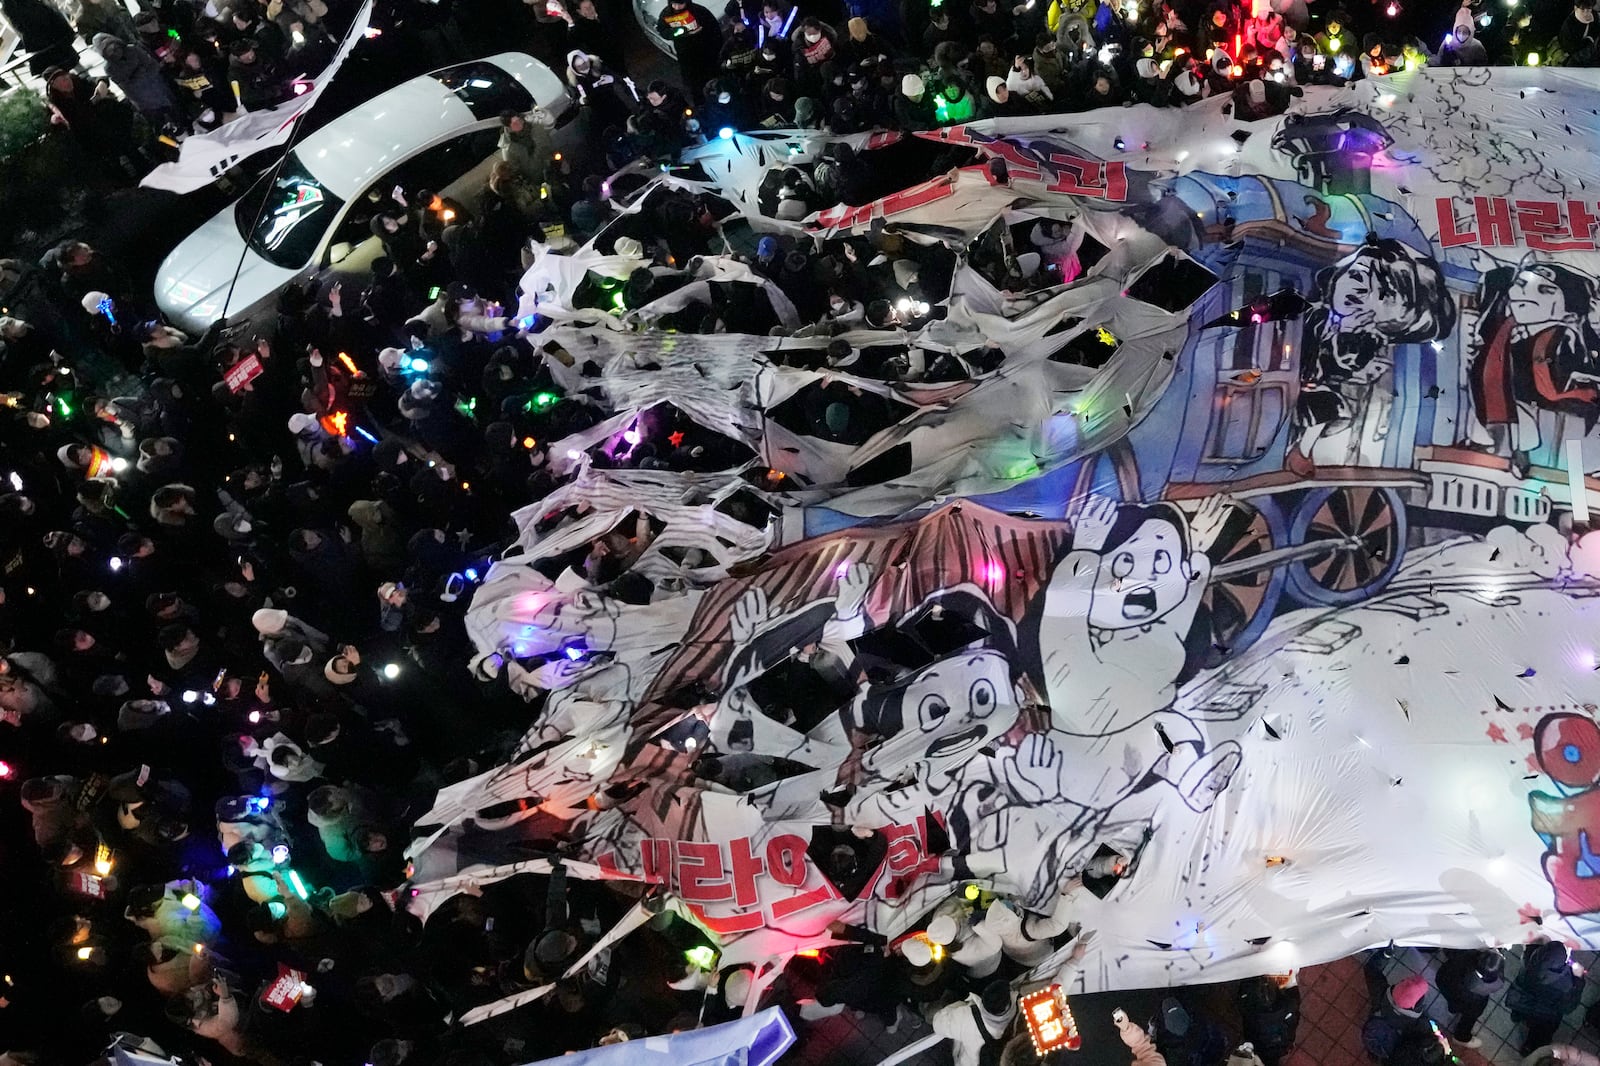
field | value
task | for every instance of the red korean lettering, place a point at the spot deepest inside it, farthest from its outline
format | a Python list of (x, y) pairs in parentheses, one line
[(701, 876), (1450, 234), (905, 850), (656, 857), (747, 866), (918, 196), (1544, 229), (1581, 220), (788, 908), (1567, 748), (1089, 177), (731, 924), (1116, 181), (786, 860), (1494, 221)]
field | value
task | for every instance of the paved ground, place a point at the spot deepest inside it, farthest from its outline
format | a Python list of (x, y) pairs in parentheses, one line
[(1334, 1004)]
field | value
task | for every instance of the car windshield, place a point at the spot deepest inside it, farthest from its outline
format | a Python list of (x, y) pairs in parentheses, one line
[(283, 217), (486, 89)]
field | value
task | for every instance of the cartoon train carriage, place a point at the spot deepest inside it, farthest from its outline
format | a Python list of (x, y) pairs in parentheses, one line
[(1270, 339)]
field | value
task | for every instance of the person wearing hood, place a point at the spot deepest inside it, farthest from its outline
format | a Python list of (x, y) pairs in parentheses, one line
[(1543, 993), (1396, 1017), (136, 72), (861, 43), (1258, 98), (525, 142), (1268, 1017), (383, 539), (104, 16), (52, 803), (1467, 979), (1461, 47), (977, 1024), (1003, 103), (815, 55), (259, 76), (913, 110)]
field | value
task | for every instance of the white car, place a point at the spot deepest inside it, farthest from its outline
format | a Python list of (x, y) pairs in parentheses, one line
[(436, 131)]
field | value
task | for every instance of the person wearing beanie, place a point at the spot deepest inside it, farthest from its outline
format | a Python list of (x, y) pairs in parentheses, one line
[(913, 110), (1544, 992), (1394, 1020), (1268, 1017)]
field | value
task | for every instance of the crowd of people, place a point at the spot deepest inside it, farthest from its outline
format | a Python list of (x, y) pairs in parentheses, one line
[(234, 567)]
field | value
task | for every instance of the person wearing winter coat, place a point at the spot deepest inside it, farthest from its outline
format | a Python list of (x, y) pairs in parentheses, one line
[(1544, 991), (383, 538), (1268, 1018), (525, 142), (1468, 979), (976, 1022), (1138, 1041), (136, 72), (104, 16), (1397, 1017), (45, 33)]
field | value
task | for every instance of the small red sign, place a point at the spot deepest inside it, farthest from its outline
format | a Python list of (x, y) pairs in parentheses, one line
[(286, 989), (243, 372)]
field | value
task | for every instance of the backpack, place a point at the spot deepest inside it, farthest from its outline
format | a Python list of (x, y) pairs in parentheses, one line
[(1381, 1034)]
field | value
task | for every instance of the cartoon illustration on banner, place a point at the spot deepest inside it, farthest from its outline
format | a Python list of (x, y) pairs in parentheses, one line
[(1208, 510)]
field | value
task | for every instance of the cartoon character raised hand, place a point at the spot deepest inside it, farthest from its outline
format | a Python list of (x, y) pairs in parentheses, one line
[(1036, 770), (1094, 524)]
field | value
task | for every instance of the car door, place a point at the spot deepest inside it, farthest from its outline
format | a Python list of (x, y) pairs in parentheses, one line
[(456, 168)]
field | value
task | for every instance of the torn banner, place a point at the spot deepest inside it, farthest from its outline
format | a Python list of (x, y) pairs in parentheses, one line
[(1255, 541)]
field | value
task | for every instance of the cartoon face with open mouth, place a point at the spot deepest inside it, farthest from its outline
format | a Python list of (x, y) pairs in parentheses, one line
[(1145, 577), (947, 713)]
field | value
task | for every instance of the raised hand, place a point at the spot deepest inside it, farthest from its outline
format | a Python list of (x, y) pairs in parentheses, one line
[(1094, 523)]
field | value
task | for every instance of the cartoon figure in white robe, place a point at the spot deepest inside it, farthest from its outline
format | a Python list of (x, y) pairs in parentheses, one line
[(1117, 632)]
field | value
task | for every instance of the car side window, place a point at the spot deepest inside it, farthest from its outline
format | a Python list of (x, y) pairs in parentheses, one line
[(435, 168)]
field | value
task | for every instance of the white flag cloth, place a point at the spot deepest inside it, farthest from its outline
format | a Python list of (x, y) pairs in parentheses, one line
[(205, 158)]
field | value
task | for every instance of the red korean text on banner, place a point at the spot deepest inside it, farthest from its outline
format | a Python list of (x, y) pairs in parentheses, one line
[(1499, 222)]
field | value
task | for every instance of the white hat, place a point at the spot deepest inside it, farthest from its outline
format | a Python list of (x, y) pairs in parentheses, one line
[(917, 951), (91, 301), (943, 929), (737, 988), (628, 246), (994, 85), (390, 358), (1258, 92), (1187, 84), (269, 621), (911, 86), (300, 422), (1146, 67)]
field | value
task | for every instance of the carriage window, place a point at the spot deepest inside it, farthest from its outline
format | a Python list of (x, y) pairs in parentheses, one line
[(1173, 284)]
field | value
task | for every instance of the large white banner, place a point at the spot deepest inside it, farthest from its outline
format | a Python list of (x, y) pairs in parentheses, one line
[(1251, 544)]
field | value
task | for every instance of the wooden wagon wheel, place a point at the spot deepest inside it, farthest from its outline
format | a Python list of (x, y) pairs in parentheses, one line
[(1240, 605), (1367, 527)]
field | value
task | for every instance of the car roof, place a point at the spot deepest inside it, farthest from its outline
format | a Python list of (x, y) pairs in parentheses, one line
[(350, 152)]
